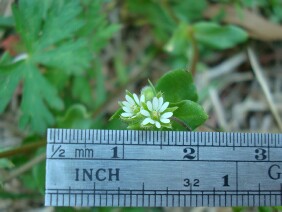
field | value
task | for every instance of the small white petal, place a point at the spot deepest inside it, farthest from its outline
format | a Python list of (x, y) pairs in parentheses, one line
[(126, 115), (166, 115), (136, 98), (149, 105), (142, 98), (145, 113), (129, 99), (155, 103), (152, 121), (161, 101), (158, 125), (147, 121), (127, 109), (164, 120), (126, 104), (164, 107)]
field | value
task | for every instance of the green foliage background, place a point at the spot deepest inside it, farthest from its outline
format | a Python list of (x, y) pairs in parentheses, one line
[(57, 72)]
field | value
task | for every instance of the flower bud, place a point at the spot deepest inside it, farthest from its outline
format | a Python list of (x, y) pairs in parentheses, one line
[(148, 92)]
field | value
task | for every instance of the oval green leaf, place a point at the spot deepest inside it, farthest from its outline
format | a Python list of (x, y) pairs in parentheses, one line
[(177, 85), (190, 113), (219, 37)]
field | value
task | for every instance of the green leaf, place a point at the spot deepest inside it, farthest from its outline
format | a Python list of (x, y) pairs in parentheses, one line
[(38, 92), (38, 172), (57, 78), (105, 209), (27, 180), (155, 14), (40, 27), (265, 209), (237, 209), (116, 124), (121, 67), (9, 79), (100, 89), (8, 195), (6, 22), (6, 163), (53, 38), (177, 85), (6, 59), (134, 210), (59, 16), (48, 31), (103, 34), (190, 10), (96, 27), (189, 112), (72, 57), (27, 15), (75, 117), (81, 90), (279, 208), (179, 42), (116, 114), (256, 3), (219, 37)]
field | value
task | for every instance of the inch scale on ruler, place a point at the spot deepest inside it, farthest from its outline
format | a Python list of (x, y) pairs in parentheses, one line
[(162, 168)]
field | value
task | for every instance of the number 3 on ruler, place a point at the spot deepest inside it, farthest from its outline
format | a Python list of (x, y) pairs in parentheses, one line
[(260, 154)]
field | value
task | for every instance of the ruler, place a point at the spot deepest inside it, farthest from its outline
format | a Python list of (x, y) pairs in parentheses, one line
[(162, 168)]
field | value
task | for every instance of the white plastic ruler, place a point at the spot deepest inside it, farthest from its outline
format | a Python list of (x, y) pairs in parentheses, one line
[(162, 168)]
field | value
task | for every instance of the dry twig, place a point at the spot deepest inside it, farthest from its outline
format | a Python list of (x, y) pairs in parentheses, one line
[(261, 79), (257, 26), (218, 109)]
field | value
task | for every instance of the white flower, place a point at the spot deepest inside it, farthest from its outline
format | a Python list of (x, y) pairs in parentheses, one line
[(132, 105), (155, 113)]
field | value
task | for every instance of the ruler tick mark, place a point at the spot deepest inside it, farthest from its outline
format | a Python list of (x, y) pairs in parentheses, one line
[(118, 196), (259, 193), (130, 203), (106, 197), (94, 193), (281, 194), (214, 196), (143, 188), (166, 196), (81, 199), (237, 182)]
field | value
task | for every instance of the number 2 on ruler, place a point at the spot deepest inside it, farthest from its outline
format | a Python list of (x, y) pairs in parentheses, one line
[(190, 153)]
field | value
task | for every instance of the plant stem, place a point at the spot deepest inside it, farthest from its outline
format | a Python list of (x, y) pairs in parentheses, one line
[(182, 123), (195, 56), (25, 167), (169, 10), (22, 149)]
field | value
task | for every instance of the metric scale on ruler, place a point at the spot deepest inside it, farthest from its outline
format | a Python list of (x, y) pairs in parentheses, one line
[(162, 168)]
